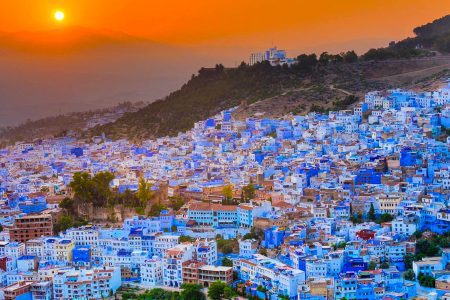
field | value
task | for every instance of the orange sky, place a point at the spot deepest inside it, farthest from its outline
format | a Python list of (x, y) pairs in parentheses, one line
[(36, 81), (292, 24)]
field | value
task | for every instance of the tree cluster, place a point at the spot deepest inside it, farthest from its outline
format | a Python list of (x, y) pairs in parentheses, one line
[(67, 221), (220, 290), (248, 192), (426, 280), (345, 57), (227, 246), (96, 190), (188, 292), (176, 202), (255, 233), (427, 247)]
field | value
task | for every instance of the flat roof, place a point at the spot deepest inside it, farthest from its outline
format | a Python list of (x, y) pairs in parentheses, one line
[(215, 268), (34, 216), (18, 285)]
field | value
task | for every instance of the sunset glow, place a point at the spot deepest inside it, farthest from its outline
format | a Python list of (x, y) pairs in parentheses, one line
[(307, 25), (59, 16)]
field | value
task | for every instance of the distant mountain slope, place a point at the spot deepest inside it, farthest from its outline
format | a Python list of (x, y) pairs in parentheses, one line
[(211, 91), (62, 124), (69, 39), (310, 84), (434, 36)]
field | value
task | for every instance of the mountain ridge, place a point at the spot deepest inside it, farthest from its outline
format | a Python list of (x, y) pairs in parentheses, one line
[(212, 90), (68, 39)]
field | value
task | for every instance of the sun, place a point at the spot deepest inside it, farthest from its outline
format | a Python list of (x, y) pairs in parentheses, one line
[(59, 15)]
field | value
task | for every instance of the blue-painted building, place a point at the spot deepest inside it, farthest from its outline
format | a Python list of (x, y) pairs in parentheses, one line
[(78, 152), (81, 256), (368, 176), (408, 157), (354, 265), (210, 123), (33, 206), (166, 219), (273, 237)]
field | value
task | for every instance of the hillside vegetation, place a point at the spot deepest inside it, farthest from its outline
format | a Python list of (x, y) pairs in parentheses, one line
[(313, 83), (434, 36), (207, 93)]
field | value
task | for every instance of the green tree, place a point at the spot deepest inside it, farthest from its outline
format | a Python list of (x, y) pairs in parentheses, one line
[(372, 213), (101, 191), (185, 238), (156, 209), (409, 275), (372, 265), (418, 234), (384, 265), (426, 280), (144, 193), (318, 109), (216, 290), (81, 185), (176, 202), (139, 211), (385, 218), (128, 199), (253, 234), (227, 193), (408, 259), (248, 192), (357, 219), (306, 63), (129, 296), (426, 247), (65, 222), (340, 245), (350, 56), (226, 262), (45, 189), (227, 246), (228, 293), (95, 190), (156, 294), (192, 292), (324, 58), (66, 204)]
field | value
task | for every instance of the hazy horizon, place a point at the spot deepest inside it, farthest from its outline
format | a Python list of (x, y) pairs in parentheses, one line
[(37, 82)]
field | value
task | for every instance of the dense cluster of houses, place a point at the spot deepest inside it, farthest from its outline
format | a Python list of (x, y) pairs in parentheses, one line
[(320, 185)]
